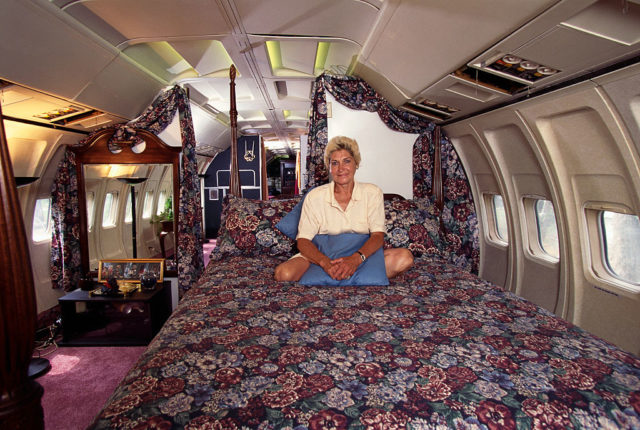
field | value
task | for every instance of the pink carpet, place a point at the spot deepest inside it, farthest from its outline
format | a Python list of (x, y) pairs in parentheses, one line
[(80, 382), (206, 250)]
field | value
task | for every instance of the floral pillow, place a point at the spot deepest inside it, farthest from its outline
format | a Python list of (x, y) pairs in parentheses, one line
[(247, 227), (413, 224)]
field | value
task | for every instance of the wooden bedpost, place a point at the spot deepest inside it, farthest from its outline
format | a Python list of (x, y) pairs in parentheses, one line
[(19, 395), (234, 180), (436, 177)]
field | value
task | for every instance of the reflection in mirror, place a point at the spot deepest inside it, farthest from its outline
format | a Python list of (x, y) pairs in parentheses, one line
[(112, 215)]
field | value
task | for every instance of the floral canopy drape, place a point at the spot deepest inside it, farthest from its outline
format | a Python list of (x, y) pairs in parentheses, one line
[(65, 263), (458, 215)]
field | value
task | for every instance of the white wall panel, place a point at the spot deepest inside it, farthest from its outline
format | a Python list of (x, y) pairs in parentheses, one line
[(386, 154)]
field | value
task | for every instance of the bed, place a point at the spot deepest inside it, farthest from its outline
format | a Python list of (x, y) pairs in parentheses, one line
[(436, 348)]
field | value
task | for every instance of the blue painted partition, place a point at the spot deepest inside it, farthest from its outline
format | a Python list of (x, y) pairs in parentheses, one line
[(216, 181)]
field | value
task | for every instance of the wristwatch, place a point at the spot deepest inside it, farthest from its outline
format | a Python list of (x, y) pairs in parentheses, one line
[(362, 257)]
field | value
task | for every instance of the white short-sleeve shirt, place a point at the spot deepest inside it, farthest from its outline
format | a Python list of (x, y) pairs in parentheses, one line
[(321, 213)]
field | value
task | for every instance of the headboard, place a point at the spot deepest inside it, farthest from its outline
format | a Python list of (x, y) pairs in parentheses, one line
[(234, 181)]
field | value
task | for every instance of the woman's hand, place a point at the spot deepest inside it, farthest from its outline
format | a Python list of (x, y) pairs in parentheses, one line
[(343, 268)]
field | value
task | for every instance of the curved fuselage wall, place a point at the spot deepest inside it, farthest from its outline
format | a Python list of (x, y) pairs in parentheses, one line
[(579, 149)]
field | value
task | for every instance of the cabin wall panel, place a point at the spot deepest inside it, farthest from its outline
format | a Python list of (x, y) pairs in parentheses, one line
[(494, 257), (94, 187), (599, 306), (521, 173), (148, 238), (602, 188), (580, 136), (540, 283), (40, 252), (540, 277), (109, 240), (592, 159), (623, 90)]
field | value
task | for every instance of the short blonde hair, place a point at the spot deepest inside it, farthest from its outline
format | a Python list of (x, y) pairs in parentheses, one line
[(342, 142)]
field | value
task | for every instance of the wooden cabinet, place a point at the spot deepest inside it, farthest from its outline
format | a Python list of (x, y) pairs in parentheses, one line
[(288, 178), (102, 320)]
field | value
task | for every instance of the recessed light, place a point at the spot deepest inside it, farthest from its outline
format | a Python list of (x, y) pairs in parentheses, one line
[(511, 59)]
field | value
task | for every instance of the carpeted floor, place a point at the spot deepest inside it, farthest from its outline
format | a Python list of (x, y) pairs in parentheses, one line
[(206, 249), (80, 381)]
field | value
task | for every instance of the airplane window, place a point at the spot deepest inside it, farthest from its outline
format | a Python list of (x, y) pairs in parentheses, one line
[(148, 205), (547, 228), (621, 237), (127, 210), (109, 211), (162, 198), (90, 208), (42, 221), (500, 218)]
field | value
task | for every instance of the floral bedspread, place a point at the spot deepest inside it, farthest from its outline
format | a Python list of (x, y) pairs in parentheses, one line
[(438, 348)]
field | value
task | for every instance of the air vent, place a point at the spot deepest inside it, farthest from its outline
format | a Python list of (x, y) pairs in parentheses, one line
[(77, 117), (490, 81), (423, 112), (281, 89), (520, 69), (68, 115), (430, 109), (60, 113)]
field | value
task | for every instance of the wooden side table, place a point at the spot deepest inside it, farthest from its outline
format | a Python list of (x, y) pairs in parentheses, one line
[(102, 320)]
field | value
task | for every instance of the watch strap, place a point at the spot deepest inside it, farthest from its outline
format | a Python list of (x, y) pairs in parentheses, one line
[(362, 256)]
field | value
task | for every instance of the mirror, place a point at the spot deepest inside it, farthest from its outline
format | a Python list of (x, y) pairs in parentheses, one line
[(112, 214), (130, 189)]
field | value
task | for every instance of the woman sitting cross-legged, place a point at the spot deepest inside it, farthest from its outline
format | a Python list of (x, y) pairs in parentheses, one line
[(342, 206)]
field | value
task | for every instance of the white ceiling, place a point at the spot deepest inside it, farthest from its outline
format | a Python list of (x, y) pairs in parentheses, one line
[(121, 53)]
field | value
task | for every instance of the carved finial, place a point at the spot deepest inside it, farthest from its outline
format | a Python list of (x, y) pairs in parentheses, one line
[(232, 72)]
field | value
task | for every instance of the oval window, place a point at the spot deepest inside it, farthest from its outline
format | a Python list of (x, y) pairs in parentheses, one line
[(547, 228), (621, 240), (501, 218)]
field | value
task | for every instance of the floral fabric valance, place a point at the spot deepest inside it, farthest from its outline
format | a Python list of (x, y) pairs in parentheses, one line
[(65, 263), (458, 215)]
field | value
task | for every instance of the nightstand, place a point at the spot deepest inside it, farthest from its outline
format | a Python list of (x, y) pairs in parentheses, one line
[(102, 320)]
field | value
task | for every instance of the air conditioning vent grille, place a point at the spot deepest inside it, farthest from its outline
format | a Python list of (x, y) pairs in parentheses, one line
[(520, 69), (490, 80), (423, 112)]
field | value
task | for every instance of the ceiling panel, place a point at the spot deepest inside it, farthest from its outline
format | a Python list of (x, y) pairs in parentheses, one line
[(207, 57), (436, 35), (349, 19), (157, 19)]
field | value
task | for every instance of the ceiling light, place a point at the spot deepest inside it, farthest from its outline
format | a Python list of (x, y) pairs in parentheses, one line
[(511, 59), (281, 89), (274, 54), (544, 70), (518, 69), (529, 65), (321, 57)]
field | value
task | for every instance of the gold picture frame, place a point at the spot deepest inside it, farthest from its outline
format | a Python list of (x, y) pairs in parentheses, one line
[(130, 269)]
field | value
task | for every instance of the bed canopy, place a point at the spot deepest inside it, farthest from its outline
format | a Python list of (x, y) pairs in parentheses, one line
[(437, 170)]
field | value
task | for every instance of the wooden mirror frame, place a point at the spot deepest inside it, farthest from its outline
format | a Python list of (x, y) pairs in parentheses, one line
[(96, 151)]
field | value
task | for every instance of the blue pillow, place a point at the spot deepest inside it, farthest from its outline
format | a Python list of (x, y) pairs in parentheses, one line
[(288, 225), (371, 272)]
